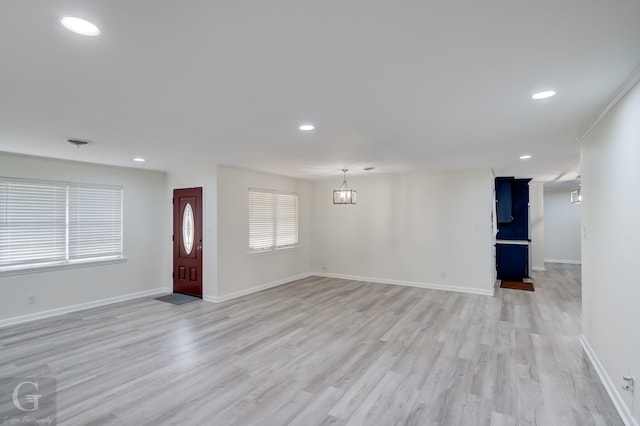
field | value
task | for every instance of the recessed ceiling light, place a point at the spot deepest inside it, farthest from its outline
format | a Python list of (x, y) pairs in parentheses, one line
[(139, 159), (543, 95), (80, 26), (306, 127), (525, 157)]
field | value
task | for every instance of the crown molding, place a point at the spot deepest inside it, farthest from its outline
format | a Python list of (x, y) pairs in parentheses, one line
[(617, 96)]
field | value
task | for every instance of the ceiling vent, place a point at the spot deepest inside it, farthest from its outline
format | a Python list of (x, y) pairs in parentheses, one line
[(77, 142)]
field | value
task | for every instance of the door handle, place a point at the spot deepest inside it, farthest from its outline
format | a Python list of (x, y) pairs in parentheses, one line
[(199, 248)]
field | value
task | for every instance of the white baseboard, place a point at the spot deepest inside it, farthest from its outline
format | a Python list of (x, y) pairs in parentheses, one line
[(612, 390), (82, 306), (571, 262), (236, 294), (471, 290), (538, 268)]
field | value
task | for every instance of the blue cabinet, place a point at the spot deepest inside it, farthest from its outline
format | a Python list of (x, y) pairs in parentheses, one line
[(503, 200), (512, 215), (512, 261), (518, 227)]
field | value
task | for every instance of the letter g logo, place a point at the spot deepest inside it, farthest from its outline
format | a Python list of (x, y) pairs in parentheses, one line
[(32, 398)]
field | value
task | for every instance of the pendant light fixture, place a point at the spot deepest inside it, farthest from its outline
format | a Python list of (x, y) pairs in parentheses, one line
[(576, 196), (344, 195)]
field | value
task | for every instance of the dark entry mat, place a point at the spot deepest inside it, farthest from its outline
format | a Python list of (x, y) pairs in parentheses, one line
[(177, 298), (517, 285)]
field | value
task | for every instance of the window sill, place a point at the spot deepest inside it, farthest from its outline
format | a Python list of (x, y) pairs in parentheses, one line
[(253, 253), (61, 266)]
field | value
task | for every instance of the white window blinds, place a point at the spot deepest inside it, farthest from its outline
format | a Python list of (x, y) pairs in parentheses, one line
[(32, 223), (273, 219), (95, 222), (46, 223)]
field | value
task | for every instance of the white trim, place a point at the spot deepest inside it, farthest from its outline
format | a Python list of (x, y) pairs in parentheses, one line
[(430, 286), (611, 389), (514, 242), (571, 262), (273, 250), (59, 266), (82, 306), (236, 294), (538, 268), (626, 86)]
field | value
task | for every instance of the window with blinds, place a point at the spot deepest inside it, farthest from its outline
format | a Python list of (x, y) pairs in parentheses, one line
[(273, 219), (45, 223), (95, 222)]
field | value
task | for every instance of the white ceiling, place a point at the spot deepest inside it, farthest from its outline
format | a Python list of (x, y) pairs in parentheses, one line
[(399, 85)]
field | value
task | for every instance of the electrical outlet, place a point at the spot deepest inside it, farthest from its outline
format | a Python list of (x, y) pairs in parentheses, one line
[(31, 300)]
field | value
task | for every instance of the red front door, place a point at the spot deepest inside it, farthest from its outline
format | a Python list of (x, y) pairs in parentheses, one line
[(187, 241)]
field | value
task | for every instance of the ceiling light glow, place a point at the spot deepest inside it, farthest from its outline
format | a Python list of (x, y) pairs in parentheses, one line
[(525, 157), (543, 95), (139, 159), (306, 127), (80, 26)]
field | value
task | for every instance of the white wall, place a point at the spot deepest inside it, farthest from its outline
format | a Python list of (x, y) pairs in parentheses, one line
[(193, 177), (427, 229), (239, 272), (143, 241), (611, 232), (561, 227), (537, 228)]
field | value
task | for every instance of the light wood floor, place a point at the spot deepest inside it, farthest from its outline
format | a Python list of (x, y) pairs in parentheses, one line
[(322, 351)]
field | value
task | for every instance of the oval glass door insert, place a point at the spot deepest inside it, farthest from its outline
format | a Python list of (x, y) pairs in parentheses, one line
[(188, 229)]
